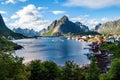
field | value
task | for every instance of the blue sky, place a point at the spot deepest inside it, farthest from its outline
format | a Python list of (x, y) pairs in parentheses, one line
[(38, 14)]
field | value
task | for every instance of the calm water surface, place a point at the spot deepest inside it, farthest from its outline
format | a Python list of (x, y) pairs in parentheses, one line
[(54, 49)]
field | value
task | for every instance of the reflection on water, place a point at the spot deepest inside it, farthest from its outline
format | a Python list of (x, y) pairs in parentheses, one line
[(54, 49)]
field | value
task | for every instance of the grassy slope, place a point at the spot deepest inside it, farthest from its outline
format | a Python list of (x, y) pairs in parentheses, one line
[(49, 33), (6, 45)]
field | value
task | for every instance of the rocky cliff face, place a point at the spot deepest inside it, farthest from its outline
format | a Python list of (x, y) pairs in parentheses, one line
[(97, 26), (6, 32), (2, 25), (52, 25), (42, 31), (112, 27), (65, 26), (83, 27)]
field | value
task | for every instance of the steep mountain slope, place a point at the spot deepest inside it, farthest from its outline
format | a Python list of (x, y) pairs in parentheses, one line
[(42, 31), (112, 27), (65, 26), (83, 27), (6, 32), (97, 26)]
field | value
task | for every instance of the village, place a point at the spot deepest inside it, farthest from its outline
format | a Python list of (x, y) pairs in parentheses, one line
[(96, 38), (103, 57)]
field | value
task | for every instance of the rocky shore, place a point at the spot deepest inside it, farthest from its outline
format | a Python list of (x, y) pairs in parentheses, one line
[(103, 60), (7, 45), (16, 47)]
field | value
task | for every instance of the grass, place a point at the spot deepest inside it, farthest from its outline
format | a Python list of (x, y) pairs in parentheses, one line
[(6, 45), (49, 33)]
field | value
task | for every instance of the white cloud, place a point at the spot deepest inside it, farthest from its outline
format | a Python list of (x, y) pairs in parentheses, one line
[(93, 3), (5, 19), (58, 12), (42, 8), (3, 12), (14, 16), (91, 23), (29, 17), (12, 1)]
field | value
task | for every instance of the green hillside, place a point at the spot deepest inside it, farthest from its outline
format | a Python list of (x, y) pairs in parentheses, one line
[(49, 33), (6, 45), (6, 32)]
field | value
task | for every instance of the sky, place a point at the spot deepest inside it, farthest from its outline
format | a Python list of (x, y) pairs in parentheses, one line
[(38, 14)]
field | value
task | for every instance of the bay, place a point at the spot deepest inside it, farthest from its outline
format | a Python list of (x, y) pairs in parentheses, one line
[(54, 49)]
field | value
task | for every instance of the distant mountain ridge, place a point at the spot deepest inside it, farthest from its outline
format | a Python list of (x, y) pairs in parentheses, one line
[(27, 32), (6, 32), (65, 26), (83, 27), (112, 27)]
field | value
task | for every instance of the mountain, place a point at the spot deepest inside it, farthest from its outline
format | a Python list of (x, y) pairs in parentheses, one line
[(6, 32), (42, 31), (65, 26), (83, 27), (112, 27), (27, 32), (97, 26)]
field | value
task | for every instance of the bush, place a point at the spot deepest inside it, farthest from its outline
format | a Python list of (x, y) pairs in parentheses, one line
[(114, 73), (43, 70), (71, 71), (11, 67), (93, 71)]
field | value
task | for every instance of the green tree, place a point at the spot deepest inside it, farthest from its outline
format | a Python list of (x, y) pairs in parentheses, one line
[(43, 70), (11, 67), (103, 77), (51, 71), (93, 72), (114, 73), (115, 49), (35, 68), (71, 71)]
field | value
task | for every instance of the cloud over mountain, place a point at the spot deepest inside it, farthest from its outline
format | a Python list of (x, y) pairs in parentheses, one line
[(91, 22), (29, 17), (3, 12)]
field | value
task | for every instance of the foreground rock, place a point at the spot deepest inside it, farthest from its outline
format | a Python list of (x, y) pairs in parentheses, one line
[(16, 47), (7, 45)]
